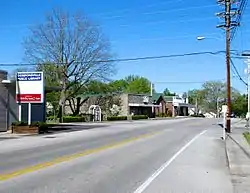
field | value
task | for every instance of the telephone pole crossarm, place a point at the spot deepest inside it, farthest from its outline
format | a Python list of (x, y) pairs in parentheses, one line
[(229, 23)]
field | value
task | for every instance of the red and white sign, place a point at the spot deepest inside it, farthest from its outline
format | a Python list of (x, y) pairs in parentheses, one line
[(29, 97), (29, 87)]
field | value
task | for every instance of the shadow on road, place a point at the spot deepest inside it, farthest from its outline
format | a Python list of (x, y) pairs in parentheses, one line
[(70, 128)]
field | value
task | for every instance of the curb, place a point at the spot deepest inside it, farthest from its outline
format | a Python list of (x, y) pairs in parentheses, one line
[(227, 157)]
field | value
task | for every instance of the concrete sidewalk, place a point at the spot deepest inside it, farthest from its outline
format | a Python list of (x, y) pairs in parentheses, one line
[(201, 167), (238, 153)]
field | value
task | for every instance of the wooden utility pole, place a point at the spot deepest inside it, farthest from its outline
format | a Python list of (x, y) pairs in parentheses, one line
[(228, 24)]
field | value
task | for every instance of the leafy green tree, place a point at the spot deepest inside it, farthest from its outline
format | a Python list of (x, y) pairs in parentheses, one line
[(138, 85), (119, 85), (167, 92), (132, 84), (211, 94), (239, 105)]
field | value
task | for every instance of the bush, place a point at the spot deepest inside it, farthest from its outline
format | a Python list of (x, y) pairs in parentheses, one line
[(87, 117), (51, 117), (168, 114), (161, 115), (18, 123), (42, 127), (117, 118), (71, 119), (138, 117)]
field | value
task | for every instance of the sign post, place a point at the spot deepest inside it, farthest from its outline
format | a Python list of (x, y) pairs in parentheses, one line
[(29, 89)]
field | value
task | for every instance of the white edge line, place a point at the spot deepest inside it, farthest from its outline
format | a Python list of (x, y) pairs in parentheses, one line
[(142, 187)]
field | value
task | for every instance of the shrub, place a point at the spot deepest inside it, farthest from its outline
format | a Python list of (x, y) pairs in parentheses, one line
[(18, 123), (138, 117), (168, 114), (71, 119), (42, 127), (117, 118), (87, 117)]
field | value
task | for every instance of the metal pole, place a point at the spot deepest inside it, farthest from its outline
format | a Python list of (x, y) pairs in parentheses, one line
[(228, 23), (217, 106), (29, 113), (196, 106), (19, 112), (8, 109)]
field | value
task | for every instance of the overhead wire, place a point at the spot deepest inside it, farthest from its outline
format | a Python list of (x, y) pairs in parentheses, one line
[(128, 59), (237, 72), (143, 13), (241, 9)]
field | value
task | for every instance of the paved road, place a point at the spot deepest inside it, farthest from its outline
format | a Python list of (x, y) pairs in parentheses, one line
[(145, 156)]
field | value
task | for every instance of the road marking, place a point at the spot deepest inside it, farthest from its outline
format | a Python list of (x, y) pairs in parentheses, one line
[(62, 159), (143, 187)]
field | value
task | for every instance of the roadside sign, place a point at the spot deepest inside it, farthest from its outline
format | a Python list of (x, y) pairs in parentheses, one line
[(224, 108), (29, 87)]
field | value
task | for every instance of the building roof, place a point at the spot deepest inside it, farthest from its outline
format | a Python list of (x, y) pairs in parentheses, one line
[(168, 98), (156, 96)]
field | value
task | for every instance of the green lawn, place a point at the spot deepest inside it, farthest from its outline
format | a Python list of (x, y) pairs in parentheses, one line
[(247, 136)]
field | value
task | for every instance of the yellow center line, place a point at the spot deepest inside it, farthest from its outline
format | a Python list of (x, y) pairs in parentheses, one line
[(67, 158)]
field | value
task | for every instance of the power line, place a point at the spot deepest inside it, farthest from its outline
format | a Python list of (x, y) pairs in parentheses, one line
[(126, 59), (120, 16), (241, 10), (163, 11), (237, 72)]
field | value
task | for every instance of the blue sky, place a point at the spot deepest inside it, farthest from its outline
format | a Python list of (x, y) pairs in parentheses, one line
[(138, 28)]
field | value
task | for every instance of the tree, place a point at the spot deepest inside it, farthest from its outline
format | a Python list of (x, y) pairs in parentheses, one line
[(239, 105), (138, 85), (211, 94), (167, 92), (132, 84), (75, 46)]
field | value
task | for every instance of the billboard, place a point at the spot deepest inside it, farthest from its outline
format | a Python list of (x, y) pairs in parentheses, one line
[(29, 87)]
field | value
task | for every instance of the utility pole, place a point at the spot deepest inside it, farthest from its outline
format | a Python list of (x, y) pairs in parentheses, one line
[(228, 24)]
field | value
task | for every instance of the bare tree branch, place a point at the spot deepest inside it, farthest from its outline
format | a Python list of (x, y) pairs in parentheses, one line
[(63, 38)]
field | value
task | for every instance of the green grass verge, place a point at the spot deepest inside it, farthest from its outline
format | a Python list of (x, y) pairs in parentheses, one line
[(247, 136)]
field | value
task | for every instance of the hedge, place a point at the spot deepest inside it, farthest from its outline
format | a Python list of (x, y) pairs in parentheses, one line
[(71, 119), (117, 118), (138, 117), (122, 118)]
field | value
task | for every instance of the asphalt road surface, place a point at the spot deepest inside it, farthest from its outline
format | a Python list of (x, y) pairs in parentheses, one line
[(143, 156)]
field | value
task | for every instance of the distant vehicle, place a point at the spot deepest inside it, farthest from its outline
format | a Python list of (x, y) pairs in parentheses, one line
[(233, 115)]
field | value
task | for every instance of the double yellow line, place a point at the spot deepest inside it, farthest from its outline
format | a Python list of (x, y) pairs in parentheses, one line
[(62, 159)]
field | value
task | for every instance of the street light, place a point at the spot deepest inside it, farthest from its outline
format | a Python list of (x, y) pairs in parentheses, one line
[(228, 125), (203, 37)]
